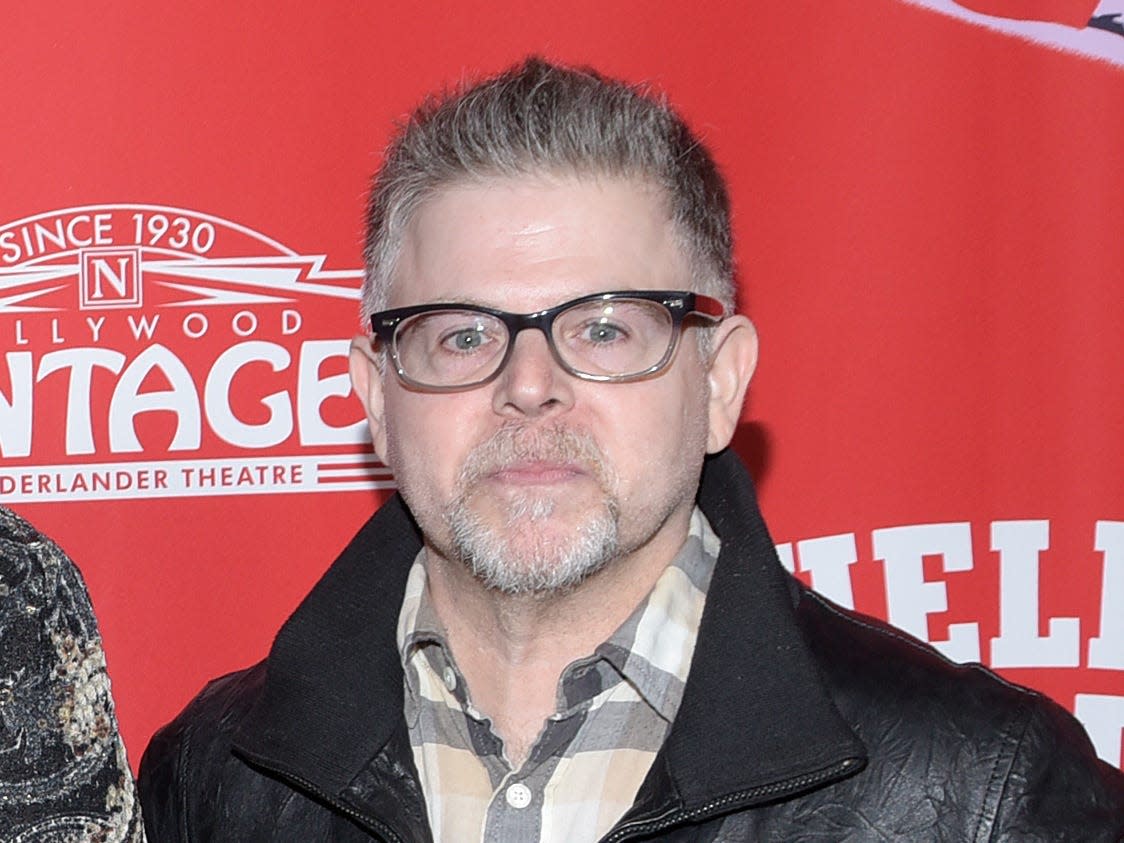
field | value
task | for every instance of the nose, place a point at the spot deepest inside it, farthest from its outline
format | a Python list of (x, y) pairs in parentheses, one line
[(532, 383)]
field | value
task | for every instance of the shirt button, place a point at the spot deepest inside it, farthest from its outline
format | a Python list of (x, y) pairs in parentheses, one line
[(518, 795), (450, 678)]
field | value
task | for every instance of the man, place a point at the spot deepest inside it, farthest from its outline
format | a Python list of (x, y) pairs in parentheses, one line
[(556, 632)]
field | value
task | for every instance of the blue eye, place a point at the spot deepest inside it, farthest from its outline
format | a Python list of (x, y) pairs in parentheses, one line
[(601, 333), (469, 339)]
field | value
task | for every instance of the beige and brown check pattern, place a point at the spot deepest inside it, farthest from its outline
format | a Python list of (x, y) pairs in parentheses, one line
[(614, 709)]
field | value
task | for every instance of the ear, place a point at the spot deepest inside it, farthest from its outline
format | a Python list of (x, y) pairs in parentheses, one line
[(367, 384), (733, 357)]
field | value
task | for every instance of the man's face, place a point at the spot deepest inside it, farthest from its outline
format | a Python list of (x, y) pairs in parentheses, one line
[(551, 475)]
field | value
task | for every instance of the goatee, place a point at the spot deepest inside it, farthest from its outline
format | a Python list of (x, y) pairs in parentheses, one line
[(520, 555)]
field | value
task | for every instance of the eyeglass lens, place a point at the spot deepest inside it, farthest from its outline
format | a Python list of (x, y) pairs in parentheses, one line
[(603, 338)]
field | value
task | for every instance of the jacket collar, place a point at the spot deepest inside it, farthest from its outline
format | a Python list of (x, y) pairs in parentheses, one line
[(754, 710)]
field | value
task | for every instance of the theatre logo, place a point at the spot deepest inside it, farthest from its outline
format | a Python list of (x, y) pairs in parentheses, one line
[(151, 351)]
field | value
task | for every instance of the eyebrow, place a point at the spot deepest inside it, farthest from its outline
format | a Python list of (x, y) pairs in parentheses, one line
[(458, 300)]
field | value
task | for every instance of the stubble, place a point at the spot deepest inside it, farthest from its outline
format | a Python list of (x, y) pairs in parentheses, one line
[(521, 553)]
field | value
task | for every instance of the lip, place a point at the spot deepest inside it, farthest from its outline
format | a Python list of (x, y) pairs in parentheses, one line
[(537, 473)]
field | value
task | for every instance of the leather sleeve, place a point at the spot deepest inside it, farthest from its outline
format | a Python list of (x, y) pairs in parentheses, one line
[(1056, 788), (186, 762), (161, 786)]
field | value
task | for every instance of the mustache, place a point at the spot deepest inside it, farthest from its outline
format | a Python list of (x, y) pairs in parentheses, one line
[(515, 444)]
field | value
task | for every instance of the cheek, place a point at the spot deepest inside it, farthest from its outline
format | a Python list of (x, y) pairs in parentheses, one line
[(420, 440), (656, 431), (429, 437)]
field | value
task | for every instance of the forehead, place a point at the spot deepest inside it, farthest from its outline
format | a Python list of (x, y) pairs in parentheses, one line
[(537, 240)]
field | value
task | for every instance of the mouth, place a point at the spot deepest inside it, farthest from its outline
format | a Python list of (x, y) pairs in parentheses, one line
[(537, 473), (548, 461)]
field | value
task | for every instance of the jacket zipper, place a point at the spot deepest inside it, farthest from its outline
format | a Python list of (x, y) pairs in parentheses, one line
[(649, 826), (754, 794), (388, 834)]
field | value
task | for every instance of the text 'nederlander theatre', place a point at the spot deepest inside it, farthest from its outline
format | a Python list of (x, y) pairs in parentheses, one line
[(155, 351)]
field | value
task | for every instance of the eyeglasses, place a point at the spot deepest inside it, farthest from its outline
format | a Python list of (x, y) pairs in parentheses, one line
[(612, 337)]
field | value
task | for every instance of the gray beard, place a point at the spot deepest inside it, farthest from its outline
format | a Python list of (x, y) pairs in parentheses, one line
[(513, 558)]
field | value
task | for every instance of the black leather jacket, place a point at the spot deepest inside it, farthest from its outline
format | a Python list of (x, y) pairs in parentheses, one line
[(800, 722)]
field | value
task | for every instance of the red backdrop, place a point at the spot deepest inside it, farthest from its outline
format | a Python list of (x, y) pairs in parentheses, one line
[(928, 204)]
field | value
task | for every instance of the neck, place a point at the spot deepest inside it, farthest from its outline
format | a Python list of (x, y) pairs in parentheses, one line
[(512, 649)]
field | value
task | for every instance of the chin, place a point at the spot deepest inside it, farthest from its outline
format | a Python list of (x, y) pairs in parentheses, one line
[(531, 549)]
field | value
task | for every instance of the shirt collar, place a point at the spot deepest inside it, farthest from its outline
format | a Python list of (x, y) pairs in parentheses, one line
[(653, 648), (417, 620)]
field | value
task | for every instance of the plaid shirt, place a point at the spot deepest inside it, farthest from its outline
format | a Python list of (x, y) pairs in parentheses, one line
[(614, 709)]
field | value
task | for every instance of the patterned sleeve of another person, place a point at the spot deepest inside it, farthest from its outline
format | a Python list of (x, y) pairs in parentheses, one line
[(63, 771)]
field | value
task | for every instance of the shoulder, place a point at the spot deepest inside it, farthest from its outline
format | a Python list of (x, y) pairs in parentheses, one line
[(209, 721), (866, 660), (186, 761), (1013, 761)]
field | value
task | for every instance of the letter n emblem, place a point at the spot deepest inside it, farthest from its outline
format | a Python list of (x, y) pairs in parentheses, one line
[(109, 278)]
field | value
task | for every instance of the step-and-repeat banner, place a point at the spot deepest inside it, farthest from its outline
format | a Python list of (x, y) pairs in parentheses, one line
[(929, 205)]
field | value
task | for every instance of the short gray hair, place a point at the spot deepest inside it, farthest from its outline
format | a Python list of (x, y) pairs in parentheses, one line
[(543, 118)]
